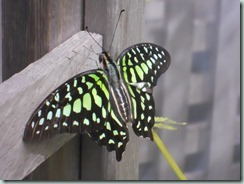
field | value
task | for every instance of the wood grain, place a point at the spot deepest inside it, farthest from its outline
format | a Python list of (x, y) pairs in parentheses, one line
[(22, 93), (31, 28)]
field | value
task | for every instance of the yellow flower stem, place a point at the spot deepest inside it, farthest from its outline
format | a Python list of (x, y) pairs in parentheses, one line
[(167, 156)]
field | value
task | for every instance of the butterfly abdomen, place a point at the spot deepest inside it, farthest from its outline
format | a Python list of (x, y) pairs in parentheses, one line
[(122, 102), (120, 98)]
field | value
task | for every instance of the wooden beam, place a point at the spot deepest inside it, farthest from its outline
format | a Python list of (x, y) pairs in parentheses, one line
[(23, 92), (101, 17)]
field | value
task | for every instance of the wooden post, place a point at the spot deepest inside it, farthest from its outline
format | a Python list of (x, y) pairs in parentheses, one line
[(31, 29), (101, 17)]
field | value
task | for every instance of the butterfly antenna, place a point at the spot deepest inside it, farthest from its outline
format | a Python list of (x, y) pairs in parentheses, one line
[(94, 39), (115, 29)]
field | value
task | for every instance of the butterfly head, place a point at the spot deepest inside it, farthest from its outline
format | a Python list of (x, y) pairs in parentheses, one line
[(105, 59)]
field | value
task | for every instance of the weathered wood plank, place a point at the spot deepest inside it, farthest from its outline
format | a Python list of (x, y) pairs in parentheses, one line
[(101, 17), (65, 19), (1, 41), (22, 93)]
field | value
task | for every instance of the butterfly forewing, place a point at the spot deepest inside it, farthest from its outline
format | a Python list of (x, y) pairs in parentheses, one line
[(142, 64), (82, 104), (79, 105)]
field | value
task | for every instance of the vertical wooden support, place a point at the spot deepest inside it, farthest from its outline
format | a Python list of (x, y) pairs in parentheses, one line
[(226, 92), (1, 41), (32, 28), (101, 17)]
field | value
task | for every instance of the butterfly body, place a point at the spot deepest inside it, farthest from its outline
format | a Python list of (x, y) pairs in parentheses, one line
[(120, 98), (102, 102)]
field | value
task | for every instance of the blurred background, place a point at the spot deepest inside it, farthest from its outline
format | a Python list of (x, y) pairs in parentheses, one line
[(201, 87)]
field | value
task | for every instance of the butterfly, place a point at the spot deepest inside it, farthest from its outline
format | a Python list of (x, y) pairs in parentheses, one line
[(103, 102)]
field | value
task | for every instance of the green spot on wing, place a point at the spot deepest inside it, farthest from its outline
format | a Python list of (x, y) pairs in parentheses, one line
[(120, 144), (83, 79), (68, 96), (102, 136), (97, 99), (142, 106), (108, 126), (123, 61), (135, 59), (86, 122), (56, 97), (111, 141), (50, 115), (149, 64), (139, 72), (94, 76), (77, 106), (89, 85), (67, 110), (115, 132), (142, 116), (94, 117), (122, 133), (116, 119), (133, 75), (131, 92), (76, 123), (58, 113), (129, 62), (87, 101), (104, 113), (103, 88), (144, 68), (80, 90)]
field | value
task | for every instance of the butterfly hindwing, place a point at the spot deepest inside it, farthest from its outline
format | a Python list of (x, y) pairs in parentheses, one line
[(143, 104), (114, 135)]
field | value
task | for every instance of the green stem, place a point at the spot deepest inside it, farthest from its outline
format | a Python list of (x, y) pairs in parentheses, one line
[(167, 156)]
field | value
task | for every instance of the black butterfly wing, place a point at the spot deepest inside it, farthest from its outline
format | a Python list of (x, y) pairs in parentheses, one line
[(144, 62), (71, 107), (144, 112), (114, 136), (140, 66), (80, 105)]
